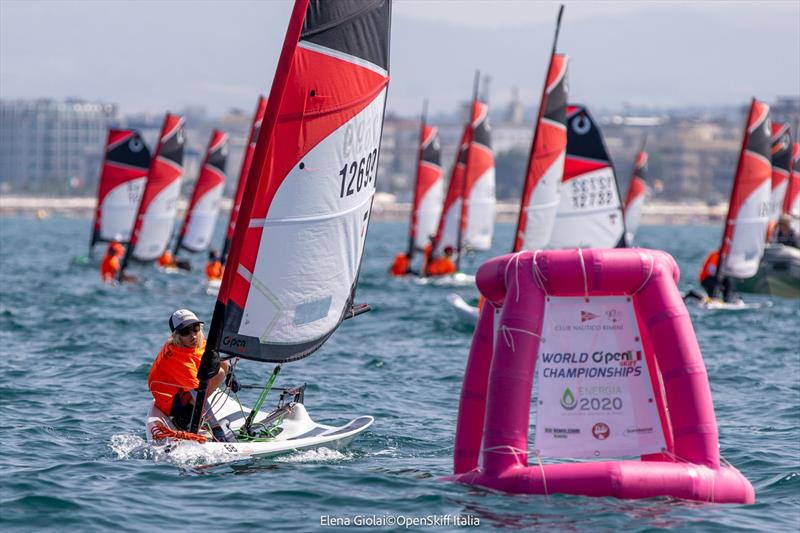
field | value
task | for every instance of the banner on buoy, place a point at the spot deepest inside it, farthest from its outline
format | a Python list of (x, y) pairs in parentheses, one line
[(595, 398)]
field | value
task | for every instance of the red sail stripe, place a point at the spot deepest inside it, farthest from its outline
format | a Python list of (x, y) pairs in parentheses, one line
[(793, 188)]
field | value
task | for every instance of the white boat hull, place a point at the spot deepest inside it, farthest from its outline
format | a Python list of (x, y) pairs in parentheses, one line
[(299, 432), (459, 279), (465, 312)]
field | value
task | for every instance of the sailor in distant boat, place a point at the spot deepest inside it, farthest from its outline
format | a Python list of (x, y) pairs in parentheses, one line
[(784, 234), (214, 266), (401, 265), (442, 265), (711, 283), (167, 261), (173, 376), (110, 265)]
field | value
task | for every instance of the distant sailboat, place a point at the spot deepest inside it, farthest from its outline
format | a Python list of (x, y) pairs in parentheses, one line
[(637, 191), (590, 210), (120, 186), (541, 190), (201, 215), (297, 247), (791, 202), (247, 160), (158, 207), (781, 157)]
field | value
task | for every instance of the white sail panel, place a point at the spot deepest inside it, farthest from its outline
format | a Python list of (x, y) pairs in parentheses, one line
[(543, 205), (481, 213), (119, 210), (313, 236), (157, 223), (633, 216), (430, 206), (589, 213), (204, 220), (750, 226)]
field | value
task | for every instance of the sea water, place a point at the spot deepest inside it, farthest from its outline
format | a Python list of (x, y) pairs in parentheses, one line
[(76, 354)]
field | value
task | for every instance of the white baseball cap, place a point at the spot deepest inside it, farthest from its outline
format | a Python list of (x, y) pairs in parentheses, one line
[(183, 318)]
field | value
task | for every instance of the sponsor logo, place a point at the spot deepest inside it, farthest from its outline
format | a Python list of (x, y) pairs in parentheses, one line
[(613, 316), (586, 316), (231, 342), (568, 400), (601, 431), (562, 433), (638, 431)]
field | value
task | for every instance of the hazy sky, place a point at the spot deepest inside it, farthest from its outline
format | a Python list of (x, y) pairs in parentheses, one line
[(152, 56)]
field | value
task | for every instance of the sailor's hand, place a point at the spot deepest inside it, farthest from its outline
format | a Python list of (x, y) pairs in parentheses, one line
[(232, 383)]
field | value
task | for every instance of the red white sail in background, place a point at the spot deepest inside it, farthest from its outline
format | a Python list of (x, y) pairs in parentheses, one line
[(428, 189), (449, 227), (748, 211), (478, 209), (590, 211), (541, 191), (201, 215), (637, 191), (298, 242), (120, 187), (781, 156), (247, 160), (791, 202)]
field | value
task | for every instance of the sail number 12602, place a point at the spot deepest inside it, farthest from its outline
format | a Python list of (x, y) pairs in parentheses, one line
[(356, 175)]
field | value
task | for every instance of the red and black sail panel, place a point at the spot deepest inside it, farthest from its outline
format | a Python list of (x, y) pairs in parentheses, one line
[(201, 215), (157, 209), (428, 189), (540, 193), (637, 190), (781, 168), (791, 202), (451, 220), (298, 241), (478, 207), (247, 160), (120, 186), (748, 211)]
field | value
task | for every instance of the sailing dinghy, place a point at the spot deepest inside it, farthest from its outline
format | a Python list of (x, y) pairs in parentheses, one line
[(748, 211), (158, 206), (201, 215), (637, 191), (296, 251), (120, 186)]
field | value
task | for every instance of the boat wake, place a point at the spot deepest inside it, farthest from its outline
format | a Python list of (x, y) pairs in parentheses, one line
[(320, 455), (189, 454)]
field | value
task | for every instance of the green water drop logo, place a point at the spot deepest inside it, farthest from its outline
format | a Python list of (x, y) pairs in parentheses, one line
[(568, 401)]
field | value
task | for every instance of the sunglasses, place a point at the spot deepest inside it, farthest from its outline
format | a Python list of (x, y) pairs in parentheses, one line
[(189, 330)]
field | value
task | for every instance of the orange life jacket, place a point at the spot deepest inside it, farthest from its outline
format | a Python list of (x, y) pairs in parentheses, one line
[(214, 270), (166, 259), (109, 268), (400, 265), (442, 266), (710, 266), (174, 371)]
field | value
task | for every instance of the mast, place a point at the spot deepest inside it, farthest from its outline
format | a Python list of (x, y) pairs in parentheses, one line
[(637, 189), (308, 195), (462, 219), (413, 224), (530, 177)]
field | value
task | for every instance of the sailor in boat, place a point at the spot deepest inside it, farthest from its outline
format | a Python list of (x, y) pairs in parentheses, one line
[(401, 265), (442, 265), (711, 283), (110, 264), (214, 266), (173, 376), (784, 234), (168, 261)]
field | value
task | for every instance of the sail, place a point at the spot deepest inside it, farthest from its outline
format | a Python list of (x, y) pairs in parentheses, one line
[(540, 193), (247, 160), (201, 215), (589, 211), (781, 157), (637, 190), (120, 186), (155, 217), (791, 202), (428, 189), (748, 211), (298, 242), (450, 219), (478, 210)]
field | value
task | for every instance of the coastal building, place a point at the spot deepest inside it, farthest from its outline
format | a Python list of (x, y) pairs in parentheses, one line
[(44, 144)]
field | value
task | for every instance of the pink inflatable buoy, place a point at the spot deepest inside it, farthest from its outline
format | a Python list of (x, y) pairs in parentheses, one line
[(610, 342)]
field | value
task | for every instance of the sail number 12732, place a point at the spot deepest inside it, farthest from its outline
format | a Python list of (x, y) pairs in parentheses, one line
[(357, 175)]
